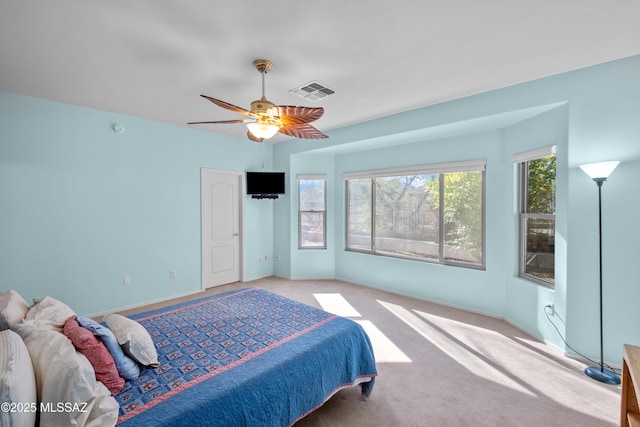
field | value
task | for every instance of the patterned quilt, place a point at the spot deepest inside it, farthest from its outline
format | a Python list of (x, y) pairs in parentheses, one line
[(246, 357)]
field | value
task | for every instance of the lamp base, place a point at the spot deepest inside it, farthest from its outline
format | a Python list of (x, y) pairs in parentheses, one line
[(603, 375)]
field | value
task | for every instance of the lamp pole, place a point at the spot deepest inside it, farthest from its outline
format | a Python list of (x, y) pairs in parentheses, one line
[(599, 182), (599, 173)]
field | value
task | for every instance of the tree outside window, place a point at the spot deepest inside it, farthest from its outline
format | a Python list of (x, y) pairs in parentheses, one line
[(437, 217), (537, 220)]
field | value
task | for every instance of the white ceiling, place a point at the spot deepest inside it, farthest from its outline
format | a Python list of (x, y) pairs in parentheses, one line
[(152, 59)]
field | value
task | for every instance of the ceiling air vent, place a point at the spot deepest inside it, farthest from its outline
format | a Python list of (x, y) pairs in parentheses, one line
[(313, 91)]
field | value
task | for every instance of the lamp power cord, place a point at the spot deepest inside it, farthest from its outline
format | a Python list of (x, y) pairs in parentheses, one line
[(546, 312)]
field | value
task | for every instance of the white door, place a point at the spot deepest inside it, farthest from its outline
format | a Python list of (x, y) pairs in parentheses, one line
[(221, 222)]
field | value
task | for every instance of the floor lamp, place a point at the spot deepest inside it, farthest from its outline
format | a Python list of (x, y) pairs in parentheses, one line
[(599, 172)]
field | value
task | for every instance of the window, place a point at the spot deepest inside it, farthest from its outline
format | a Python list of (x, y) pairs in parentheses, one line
[(537, 200), (431, 213), (311, 211), (359, 214)]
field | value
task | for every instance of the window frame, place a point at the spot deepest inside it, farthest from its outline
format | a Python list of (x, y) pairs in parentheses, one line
[(435, 169), (522, 160), (301, 212)]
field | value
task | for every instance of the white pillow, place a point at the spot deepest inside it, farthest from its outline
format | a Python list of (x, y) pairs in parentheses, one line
[(134, 339), (13, 308), (17, 381), (50, 313), (104, 409), (64, 375)]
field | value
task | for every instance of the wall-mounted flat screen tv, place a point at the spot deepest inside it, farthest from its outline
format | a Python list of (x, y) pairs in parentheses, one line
[(265, 183)]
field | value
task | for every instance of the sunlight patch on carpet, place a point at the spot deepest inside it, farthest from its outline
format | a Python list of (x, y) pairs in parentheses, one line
[(336, 304), (453, 348), (383, 348)]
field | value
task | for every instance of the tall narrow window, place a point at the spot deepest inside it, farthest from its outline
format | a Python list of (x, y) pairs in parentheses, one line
[(537, 199), (430, 213), (359, 231), (312, 212)]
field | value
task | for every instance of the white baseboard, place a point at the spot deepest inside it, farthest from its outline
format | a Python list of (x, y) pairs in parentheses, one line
[(142, 304), (431, 300)]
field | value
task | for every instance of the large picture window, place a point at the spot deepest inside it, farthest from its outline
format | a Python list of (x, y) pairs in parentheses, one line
[(432, 213), (537, 200), (312, 212)]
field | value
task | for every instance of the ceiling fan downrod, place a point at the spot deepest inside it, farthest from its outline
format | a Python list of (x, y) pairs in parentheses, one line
[(262, 105)]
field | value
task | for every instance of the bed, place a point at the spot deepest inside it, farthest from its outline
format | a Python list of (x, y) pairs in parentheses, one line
[(247, 357)]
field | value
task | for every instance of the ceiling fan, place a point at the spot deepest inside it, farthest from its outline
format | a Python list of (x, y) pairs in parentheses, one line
[(266, 119)]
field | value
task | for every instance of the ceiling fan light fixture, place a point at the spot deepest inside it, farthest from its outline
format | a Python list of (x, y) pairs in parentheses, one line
[(262, 130)]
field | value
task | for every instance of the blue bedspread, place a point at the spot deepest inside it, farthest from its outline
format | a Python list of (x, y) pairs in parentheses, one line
[(244, 358)]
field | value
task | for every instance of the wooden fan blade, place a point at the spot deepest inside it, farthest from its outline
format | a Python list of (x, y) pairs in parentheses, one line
[(227, 106), (253, 137), (219, 122), (292, 115), (304, 131)]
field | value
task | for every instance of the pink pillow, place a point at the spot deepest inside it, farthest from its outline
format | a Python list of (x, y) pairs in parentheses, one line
[(93, 349)]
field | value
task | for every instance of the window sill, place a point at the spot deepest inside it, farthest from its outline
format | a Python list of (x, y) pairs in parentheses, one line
[(537, 281)]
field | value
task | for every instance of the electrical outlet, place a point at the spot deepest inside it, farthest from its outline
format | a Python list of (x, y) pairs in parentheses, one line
[(173, 274), (127, 281), (550, 308)]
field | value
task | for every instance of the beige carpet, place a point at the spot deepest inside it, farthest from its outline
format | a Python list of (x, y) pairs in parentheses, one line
[(439, 366)]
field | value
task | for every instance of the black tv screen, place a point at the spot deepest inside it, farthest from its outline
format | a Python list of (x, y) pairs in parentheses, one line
[(265, 182)]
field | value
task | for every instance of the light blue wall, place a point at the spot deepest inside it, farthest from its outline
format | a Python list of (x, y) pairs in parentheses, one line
[(284, 214), (604, 125), (592, 115), (290, 261), (314, 263), (524, 303), (482, 290), (82, 206)]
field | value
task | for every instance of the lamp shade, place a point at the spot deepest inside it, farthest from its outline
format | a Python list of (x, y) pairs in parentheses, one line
[(600, 169), (262, 130)]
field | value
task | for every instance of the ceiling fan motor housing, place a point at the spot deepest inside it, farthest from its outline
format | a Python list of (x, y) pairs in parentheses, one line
[(262, 106)]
